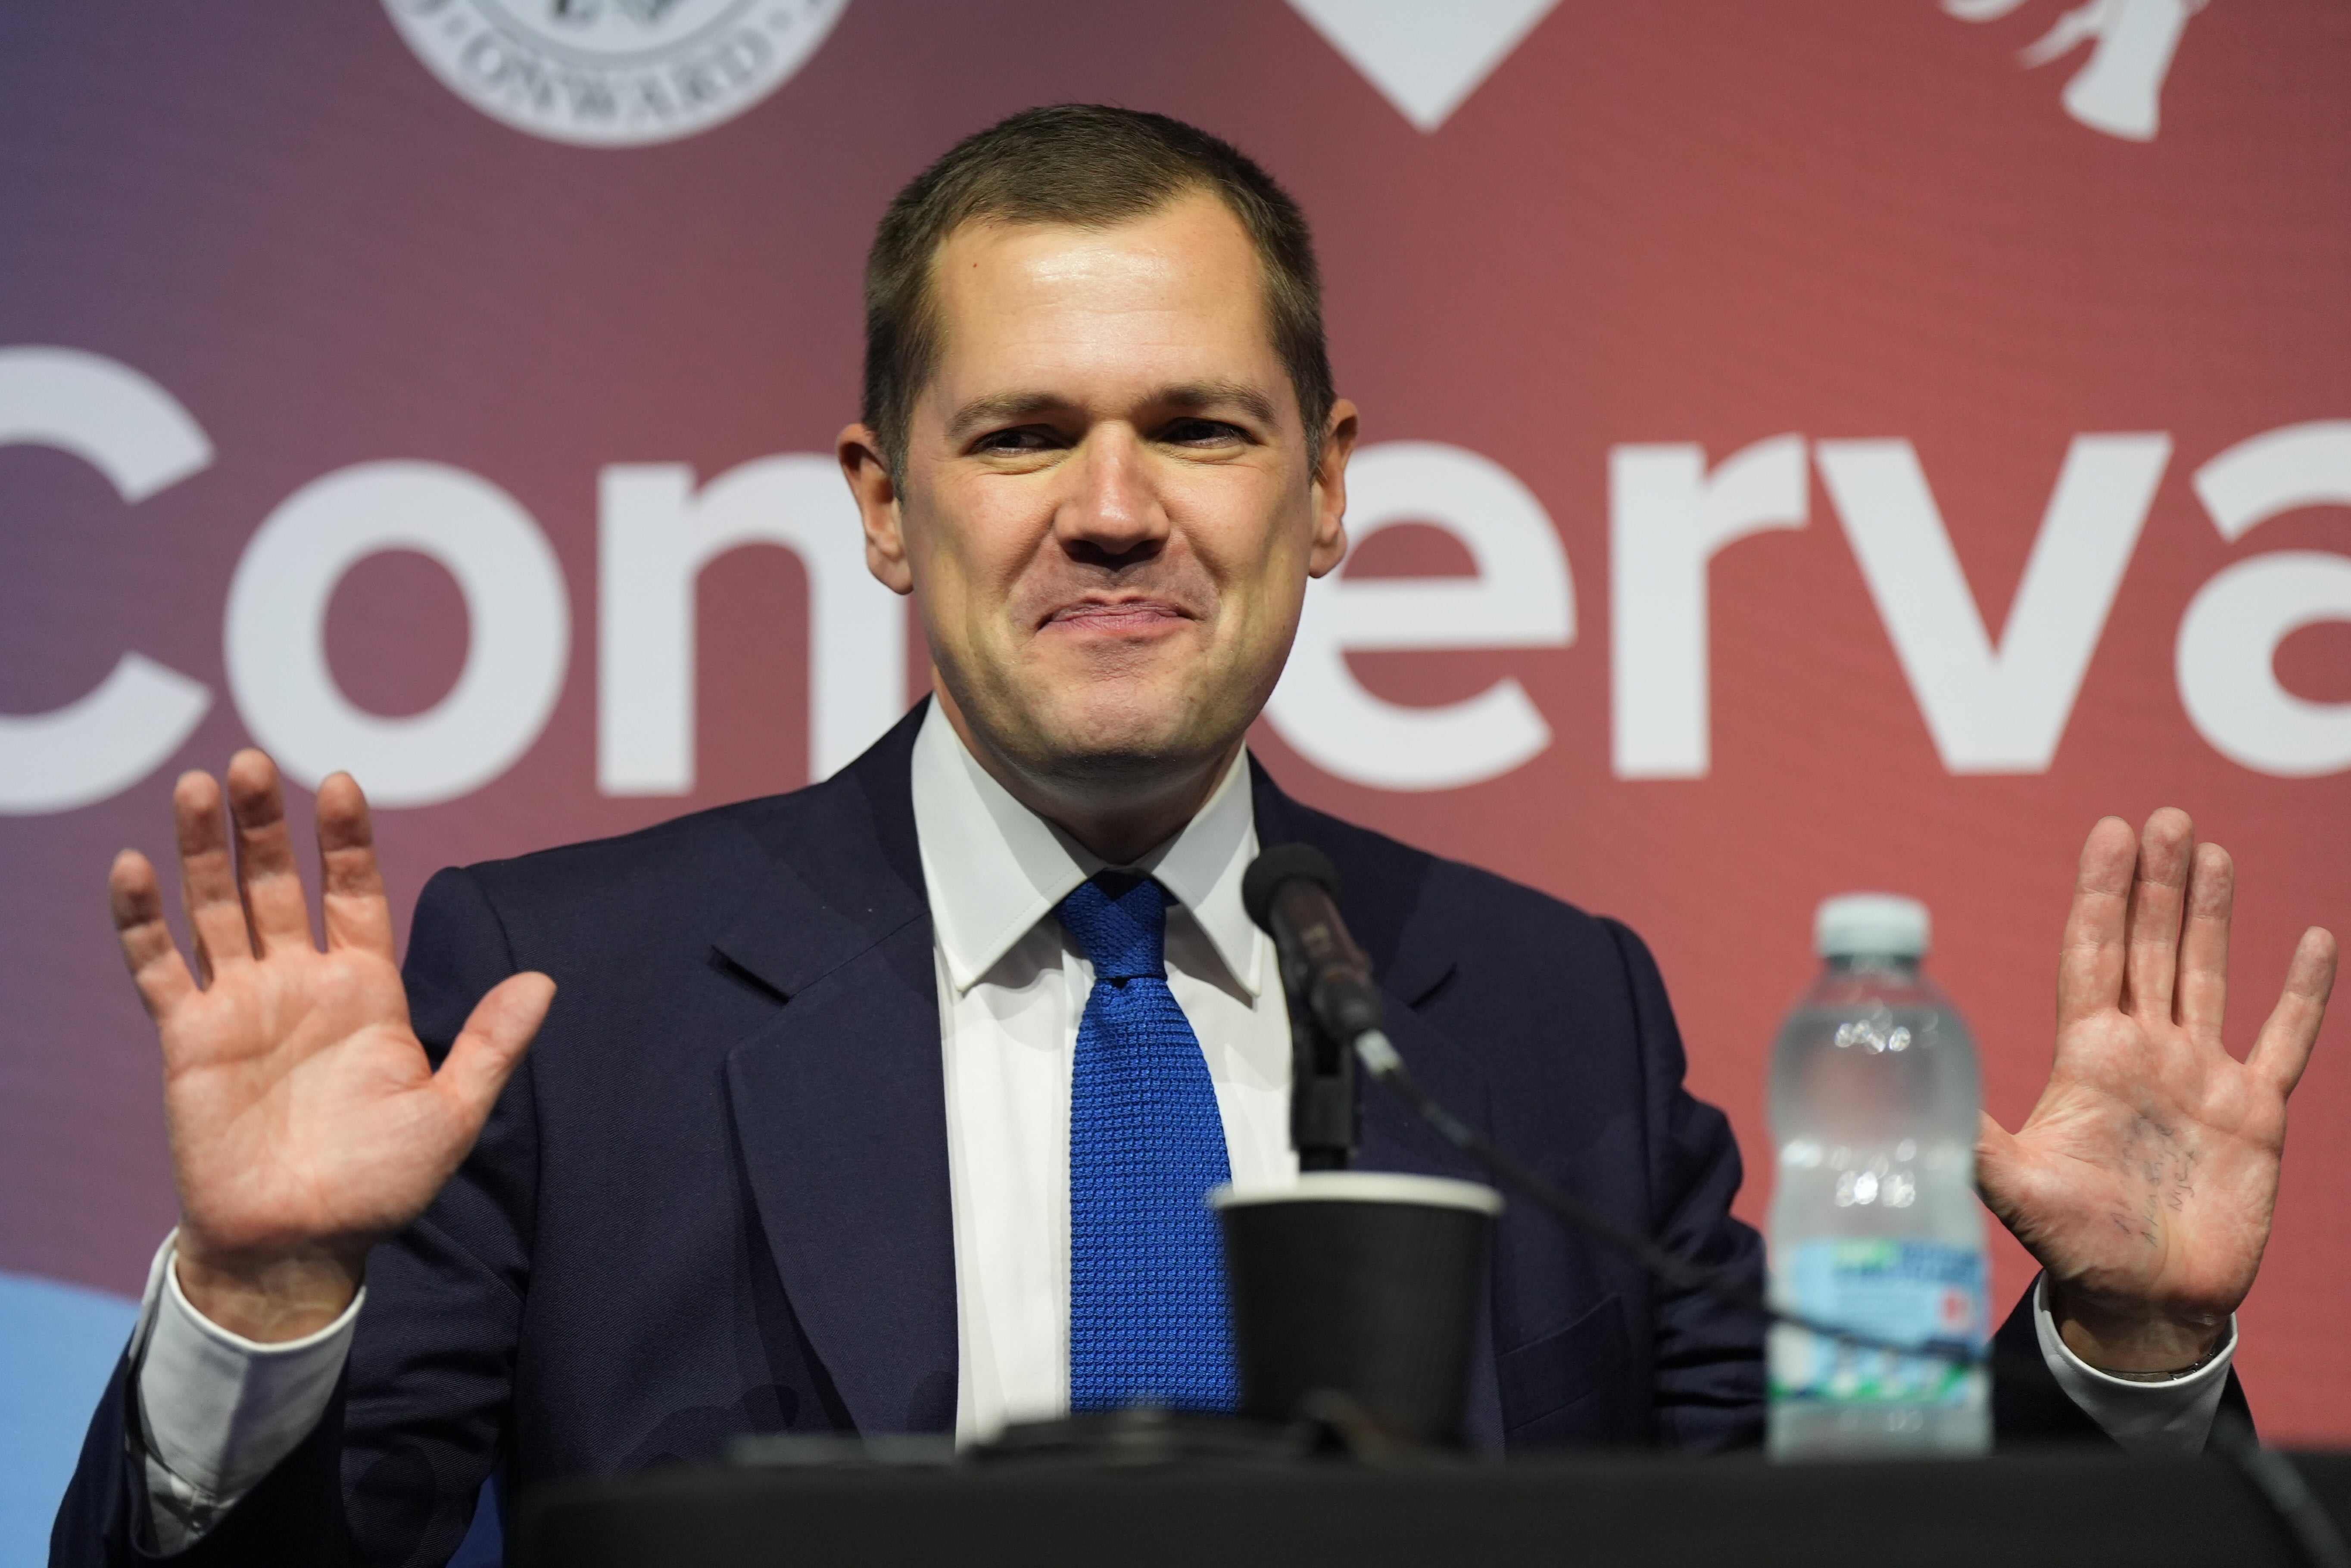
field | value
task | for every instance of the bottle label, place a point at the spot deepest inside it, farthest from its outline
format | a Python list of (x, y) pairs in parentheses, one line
[(1910, 1293)]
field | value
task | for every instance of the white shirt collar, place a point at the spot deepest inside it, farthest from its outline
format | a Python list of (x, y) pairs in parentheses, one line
[(995, 869)]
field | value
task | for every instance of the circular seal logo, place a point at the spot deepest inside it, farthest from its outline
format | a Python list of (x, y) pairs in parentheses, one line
[(613, 73)]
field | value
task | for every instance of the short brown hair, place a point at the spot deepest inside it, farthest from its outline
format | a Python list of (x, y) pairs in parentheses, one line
[(1093, 166)]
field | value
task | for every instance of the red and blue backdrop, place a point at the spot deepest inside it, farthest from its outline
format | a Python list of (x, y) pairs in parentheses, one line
[(1829, 445)]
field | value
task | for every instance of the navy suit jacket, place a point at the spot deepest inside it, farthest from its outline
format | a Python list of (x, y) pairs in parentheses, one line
[(714, 1198)]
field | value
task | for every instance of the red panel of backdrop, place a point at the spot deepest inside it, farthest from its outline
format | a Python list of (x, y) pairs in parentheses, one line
[(1845, 444)]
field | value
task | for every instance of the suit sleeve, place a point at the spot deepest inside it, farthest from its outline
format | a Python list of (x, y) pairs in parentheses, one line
[(1708, 1384), (392, 1471), (2030, 1407)]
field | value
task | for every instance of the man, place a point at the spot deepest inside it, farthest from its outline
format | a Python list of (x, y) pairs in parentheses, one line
[(828, 1089)]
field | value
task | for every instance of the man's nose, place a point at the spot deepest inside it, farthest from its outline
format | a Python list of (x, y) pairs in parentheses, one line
[(1113, 516)]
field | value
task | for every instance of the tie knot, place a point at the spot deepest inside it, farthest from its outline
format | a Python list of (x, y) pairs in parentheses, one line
[(1120, 921)]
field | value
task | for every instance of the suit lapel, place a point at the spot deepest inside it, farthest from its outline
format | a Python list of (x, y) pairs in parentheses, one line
[(842, 1109), (840, 1100)]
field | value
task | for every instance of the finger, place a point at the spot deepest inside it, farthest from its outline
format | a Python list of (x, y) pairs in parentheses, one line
[(136, 898), (2283, 1051), (2158, 893), (2203, 993), (208, 876), (493, 1041), (265, 875), (2090, 958), (358, 916)]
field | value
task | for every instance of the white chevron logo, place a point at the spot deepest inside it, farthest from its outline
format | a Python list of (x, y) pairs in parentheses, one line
[(1425, 56)]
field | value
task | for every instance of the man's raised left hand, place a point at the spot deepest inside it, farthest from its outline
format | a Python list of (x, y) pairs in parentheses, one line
[(2144, 1177)]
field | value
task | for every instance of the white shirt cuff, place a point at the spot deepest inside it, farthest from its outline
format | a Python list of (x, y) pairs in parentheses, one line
[(220, 1411), (2148, 1419)]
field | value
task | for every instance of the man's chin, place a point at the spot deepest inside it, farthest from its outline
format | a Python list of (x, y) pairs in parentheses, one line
[(1123, 738), (1106, 754)]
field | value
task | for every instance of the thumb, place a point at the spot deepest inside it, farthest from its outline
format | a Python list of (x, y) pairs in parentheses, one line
[(1998, 1159), (493, 1041)]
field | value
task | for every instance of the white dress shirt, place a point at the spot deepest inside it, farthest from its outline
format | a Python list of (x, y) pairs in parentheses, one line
[(220, 1411), (1012, 988)]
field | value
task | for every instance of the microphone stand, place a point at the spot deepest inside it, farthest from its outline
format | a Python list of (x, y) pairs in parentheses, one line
[(1325, 1103)]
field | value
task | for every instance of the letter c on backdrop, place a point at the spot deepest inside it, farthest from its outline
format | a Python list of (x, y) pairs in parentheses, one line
[(516, 604), (138, 435), (2229, 639)]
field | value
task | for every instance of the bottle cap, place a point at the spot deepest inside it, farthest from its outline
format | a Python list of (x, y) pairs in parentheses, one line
[(1872, 925)]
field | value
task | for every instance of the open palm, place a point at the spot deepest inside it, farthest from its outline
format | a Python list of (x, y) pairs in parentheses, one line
[(306, 1121), (2144, 1177)]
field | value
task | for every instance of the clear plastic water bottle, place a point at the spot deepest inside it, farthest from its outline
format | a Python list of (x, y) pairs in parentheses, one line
[(1875, 1223)]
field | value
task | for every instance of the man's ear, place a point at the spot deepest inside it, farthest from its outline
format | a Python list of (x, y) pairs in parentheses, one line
[(868, 472), (1329, 490)]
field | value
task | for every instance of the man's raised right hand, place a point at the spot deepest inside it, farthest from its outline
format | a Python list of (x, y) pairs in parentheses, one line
[(306, 1122)]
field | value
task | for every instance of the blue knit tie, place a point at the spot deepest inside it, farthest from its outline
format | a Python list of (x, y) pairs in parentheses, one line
[(1147, 1315)]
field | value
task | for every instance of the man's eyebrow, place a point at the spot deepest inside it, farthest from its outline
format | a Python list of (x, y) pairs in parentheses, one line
[(1000, 406), (1192, 395), (1249, 400)]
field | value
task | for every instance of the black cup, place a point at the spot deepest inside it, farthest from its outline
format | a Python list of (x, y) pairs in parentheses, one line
[(1361, 1285)]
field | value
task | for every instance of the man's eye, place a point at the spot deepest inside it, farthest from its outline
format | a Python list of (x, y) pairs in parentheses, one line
[(1200, 432), (1027, 439)]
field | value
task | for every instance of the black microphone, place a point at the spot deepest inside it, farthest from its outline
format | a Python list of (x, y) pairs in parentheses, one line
[(1290, 892), (1335, 1005)]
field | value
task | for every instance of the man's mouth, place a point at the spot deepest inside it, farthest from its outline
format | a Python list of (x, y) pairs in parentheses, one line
[(1117, 616)]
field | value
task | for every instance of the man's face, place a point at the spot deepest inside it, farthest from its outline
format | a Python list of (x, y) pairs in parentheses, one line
[(1108, 515)]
